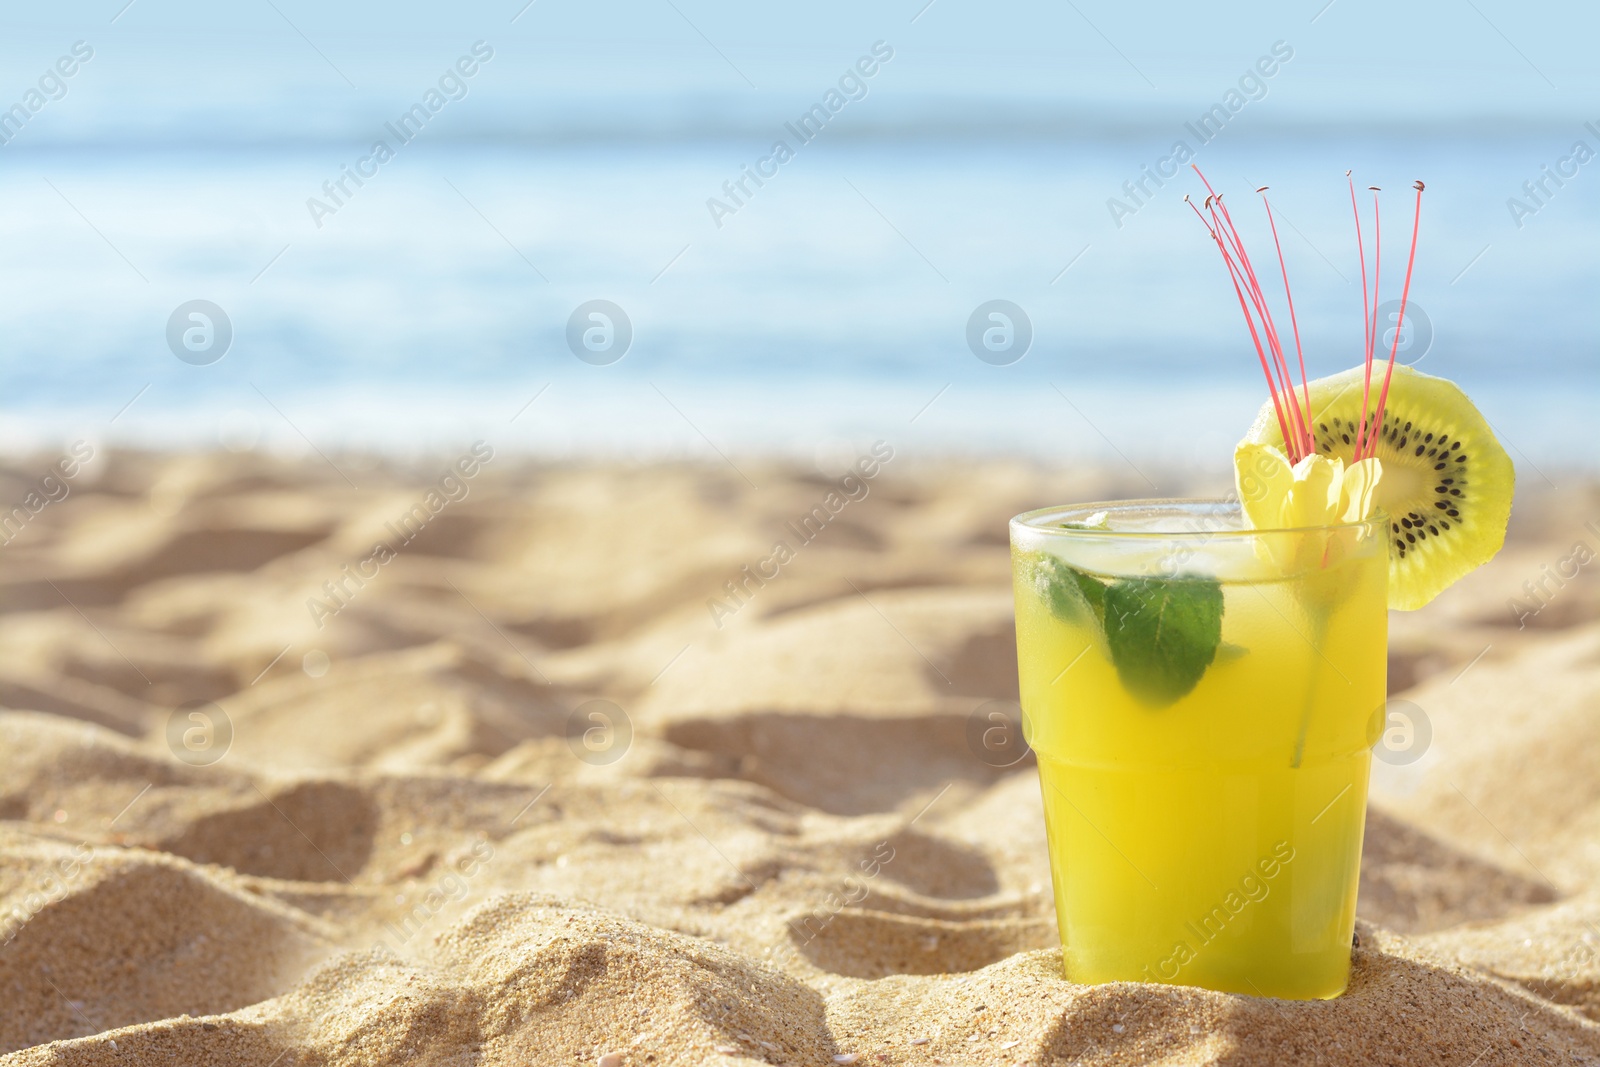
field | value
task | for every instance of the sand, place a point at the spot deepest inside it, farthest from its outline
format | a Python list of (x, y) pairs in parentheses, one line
[(534, 788)]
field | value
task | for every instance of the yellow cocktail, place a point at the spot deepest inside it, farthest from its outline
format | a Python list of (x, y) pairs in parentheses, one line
[(1202, 700)]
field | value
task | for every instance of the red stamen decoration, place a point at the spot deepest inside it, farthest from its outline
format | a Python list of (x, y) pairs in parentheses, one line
[(1233, 275), (1367, 439), (1268, 327), (1366, 320), (1293, 422), (1399, 322), (1293, 408), (1269, 330), (1299, 353)]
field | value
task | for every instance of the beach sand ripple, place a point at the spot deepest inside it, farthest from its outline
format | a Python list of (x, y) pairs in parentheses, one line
[(575, 778)]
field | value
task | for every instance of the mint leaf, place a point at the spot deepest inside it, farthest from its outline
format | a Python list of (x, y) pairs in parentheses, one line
[(1160, 633), (1072, 595), (1163, 633)]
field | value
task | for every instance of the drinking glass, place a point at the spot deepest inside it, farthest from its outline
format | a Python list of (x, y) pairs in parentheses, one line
[(1202, 699)]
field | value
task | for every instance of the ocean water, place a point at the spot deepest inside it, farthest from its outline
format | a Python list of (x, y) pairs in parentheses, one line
[(826, 308)]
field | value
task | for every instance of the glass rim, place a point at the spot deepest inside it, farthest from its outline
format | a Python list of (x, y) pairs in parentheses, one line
[(1033, 520)]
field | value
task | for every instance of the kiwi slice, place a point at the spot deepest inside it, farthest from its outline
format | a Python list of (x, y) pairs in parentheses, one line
[(1447, 483)]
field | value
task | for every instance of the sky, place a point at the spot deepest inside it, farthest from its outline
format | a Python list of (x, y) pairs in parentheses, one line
[(296, 67)]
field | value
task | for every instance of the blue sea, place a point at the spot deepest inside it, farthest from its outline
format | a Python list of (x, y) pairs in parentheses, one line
[(830, 305)]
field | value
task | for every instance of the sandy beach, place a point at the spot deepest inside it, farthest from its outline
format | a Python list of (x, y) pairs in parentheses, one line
[(483, 760)]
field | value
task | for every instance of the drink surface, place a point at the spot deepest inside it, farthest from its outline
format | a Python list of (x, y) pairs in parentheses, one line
[(1213, 840)]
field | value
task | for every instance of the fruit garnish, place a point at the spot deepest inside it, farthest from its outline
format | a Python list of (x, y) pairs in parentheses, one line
[(1445, 485)]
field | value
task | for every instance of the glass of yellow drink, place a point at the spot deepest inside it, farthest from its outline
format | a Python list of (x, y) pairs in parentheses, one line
[(1202, 699)]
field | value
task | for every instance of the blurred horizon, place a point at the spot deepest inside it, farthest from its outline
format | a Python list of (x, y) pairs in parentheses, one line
[(982, 160)]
